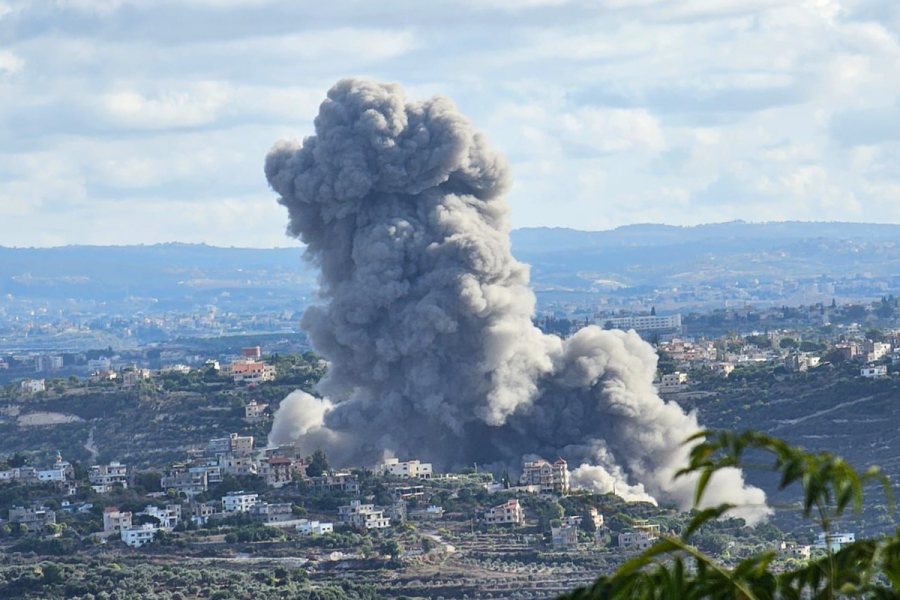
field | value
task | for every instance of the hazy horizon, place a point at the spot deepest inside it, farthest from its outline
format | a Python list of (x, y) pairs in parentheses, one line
[(291, 243)]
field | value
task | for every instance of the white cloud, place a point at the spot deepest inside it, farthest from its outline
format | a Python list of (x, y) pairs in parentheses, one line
[(198, 105), (152, 117), (10, 62)]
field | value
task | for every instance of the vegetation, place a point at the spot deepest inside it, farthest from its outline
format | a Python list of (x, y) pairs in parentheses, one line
[(677, 568), (99, 581)]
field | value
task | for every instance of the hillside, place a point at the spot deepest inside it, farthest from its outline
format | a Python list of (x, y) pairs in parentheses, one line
[(852, 260)]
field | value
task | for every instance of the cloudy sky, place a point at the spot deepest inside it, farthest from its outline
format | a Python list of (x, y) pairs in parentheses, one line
[(142, 121)]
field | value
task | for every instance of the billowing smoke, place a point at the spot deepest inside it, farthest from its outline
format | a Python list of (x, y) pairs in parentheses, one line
[(426, 318)]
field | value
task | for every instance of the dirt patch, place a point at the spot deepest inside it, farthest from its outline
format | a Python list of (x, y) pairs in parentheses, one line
[(46, 418)]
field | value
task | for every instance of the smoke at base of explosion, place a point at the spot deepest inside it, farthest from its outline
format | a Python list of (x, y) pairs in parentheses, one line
[(427, 315)]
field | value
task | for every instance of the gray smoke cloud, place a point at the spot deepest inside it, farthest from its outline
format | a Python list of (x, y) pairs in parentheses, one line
[(426, 319)]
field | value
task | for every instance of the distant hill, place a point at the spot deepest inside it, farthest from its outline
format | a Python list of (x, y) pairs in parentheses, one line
[(168, 273), (633, 257), (710, 256)]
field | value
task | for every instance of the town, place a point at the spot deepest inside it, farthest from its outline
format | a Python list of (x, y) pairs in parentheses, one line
[(232, 496)]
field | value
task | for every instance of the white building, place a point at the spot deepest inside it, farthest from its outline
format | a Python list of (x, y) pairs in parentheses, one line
[(54, 475), (550, 477), (168, 517), (796, 550), (642, 537), (511, 512), (138, 536), (835, 540), (672, 382), (104, 478), (644, 322), (239, 502), (33, 386), (306, 527), (411, 469), (99, 364), (255, 411), (873, 371), (361, 515)]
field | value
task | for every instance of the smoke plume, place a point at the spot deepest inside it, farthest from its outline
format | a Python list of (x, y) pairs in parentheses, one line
[(426, 318)]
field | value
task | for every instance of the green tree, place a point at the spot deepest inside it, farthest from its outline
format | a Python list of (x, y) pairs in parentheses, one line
[(318, 464), (788, 343), (678, 567), (391, 548)]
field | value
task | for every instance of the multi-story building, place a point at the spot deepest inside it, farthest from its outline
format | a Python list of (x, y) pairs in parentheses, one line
[(233, 444), (835, 541), (276, 471), (33, 386), (99, 364), (190, 482), (255, 411), (564, 536), (35, 519), (672, 382), (114, 521), (168, 517), (511, 512), (134, 375), (875, 351), (550, 477), (201, 512), (253, 352), (250, 371), (105, 478), (362, 515), (343, 481), (238, 464), (644, 322), (58, 473), (235, 502), (306, 527), (642, 536), (47, 364), (411, 469), (272, 513), (873, 371), (138, 536), (795, 550)]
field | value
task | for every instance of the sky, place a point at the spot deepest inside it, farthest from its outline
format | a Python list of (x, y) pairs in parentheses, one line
[(146, 121)]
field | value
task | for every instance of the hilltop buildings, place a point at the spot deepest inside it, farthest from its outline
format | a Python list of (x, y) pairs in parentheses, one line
[(550, 477), (411, 469)]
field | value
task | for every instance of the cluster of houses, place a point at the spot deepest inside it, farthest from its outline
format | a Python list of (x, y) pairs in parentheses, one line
[(723, 355), (236, 454), (824, 541), (247, 368)]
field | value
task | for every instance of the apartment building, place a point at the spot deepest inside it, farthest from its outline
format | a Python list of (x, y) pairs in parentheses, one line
[(233, 444), (511, 512), (35, 519), (362, 515), (235, 502), (276, 471), (550, 477), (114, 521), (105, 478), (411, 469)]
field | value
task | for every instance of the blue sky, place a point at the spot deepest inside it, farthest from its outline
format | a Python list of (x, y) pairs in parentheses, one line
[(143, 121)]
